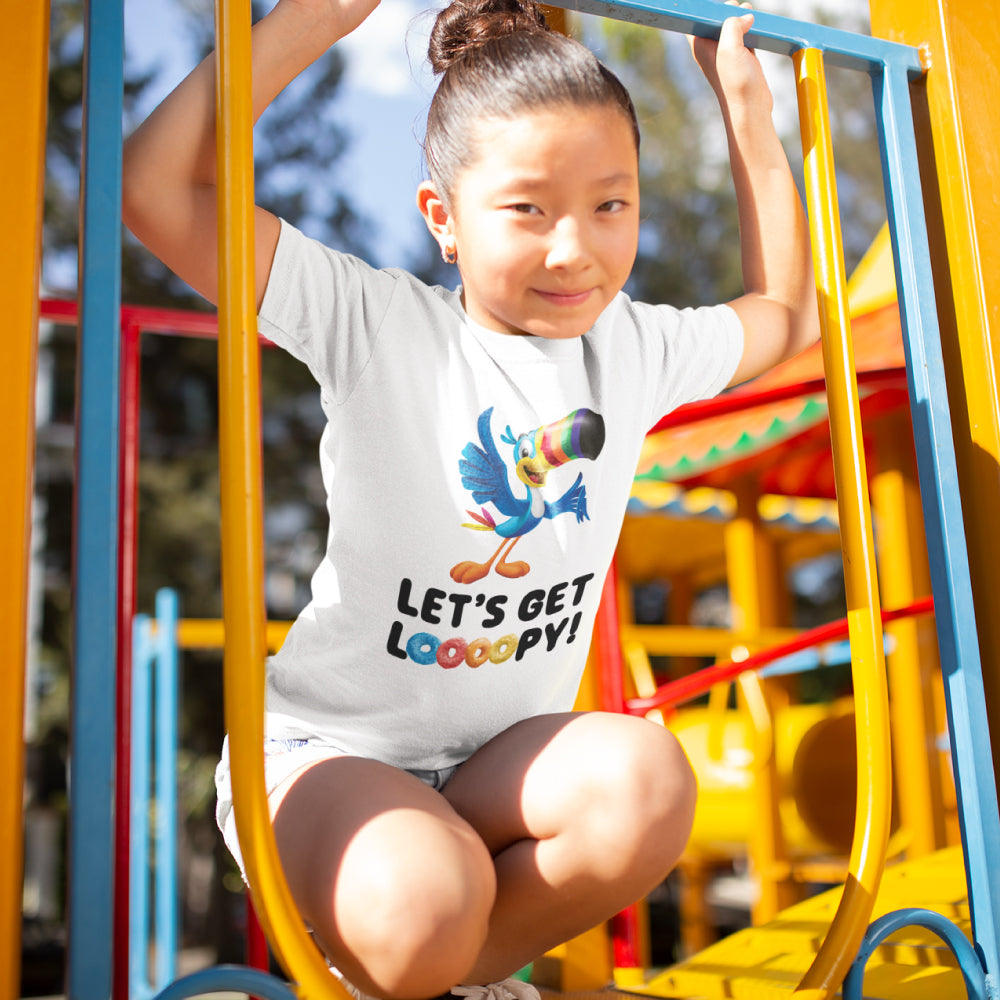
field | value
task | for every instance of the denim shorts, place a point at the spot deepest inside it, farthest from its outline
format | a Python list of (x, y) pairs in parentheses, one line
[(282, 758)]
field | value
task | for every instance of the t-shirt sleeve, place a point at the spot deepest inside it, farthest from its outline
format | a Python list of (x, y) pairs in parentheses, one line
[(325, 308), (700, 351)]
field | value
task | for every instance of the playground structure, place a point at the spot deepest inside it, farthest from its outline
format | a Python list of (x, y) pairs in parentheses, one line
[(780, 447), (940, 287)]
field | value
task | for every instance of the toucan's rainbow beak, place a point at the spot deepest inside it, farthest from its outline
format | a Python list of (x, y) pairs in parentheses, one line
[(578, 435)]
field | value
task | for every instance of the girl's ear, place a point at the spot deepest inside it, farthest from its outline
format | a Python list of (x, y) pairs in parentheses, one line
[(436, 215)]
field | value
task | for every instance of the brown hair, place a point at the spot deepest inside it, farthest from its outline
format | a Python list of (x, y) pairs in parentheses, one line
[(498, 59)]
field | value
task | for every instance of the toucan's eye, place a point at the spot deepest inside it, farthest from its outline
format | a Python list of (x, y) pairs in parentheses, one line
[(524, 449)]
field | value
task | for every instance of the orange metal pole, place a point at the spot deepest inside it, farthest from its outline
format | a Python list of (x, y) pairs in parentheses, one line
[(958, 140), (23, 96)]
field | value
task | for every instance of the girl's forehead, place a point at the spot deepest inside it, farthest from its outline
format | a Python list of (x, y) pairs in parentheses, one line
[(565, 120), (576, 138)]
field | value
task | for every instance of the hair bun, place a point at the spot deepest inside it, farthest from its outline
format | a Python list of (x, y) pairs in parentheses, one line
[(465, 25)]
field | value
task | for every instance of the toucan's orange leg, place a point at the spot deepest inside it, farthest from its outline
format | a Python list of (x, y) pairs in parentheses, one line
[(512, 570), (469, 571)]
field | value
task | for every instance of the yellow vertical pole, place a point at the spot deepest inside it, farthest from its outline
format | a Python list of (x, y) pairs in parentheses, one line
[(242, 508), (874, 792), (23, 96), (913, 664), (958, 138), (753, 599)]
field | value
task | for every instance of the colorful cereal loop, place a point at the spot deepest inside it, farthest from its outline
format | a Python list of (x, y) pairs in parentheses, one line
[(478, 652), (451, 653), (503, 648), (422, 648)]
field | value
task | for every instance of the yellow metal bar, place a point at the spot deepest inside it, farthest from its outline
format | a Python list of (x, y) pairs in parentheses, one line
[(242, 519), (913, 664), (871, 833), (23, 94), (689, 640), (210, 633), (751, 572), (642, 677)]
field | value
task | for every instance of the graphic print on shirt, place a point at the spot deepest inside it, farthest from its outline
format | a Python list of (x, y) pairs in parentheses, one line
[(532, 456)]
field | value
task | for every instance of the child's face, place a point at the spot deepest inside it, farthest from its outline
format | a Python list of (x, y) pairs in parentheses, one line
[(546, 221)]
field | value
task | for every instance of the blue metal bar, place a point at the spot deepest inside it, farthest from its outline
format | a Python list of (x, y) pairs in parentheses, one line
[(968, 960), (228, 979), (939, 488), (90, 910), (142, 658), (770, 32), (166, 713)]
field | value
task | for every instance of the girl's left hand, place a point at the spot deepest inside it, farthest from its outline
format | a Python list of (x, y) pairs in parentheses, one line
[(731, 68)]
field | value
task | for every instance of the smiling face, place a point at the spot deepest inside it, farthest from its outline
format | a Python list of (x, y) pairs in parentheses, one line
[(545, 221)]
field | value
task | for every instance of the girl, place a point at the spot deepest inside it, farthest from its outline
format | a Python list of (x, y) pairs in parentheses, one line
[(441, 815)]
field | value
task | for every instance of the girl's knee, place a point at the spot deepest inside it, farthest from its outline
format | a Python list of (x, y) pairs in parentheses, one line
[(643, 792), (660, 785), (416, 925)]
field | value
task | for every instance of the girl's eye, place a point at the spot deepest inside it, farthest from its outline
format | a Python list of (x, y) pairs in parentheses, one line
[(525, 209), (614, 205)]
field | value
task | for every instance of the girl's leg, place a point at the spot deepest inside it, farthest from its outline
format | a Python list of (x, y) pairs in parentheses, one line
[(396, 886), (583, 815)]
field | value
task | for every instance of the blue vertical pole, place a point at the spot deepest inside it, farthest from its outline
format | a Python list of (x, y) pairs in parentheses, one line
[(166, 714), (939, 487), (90, 909), (142, 657)]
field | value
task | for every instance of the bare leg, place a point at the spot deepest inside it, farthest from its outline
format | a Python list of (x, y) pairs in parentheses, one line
[(583, 814), (396, 886)]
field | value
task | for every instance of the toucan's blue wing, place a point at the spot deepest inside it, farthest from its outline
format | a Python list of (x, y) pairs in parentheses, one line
[(484, 472), (573, 501)]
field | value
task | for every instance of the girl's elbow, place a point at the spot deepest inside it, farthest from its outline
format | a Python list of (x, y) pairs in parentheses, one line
[(135, 196)]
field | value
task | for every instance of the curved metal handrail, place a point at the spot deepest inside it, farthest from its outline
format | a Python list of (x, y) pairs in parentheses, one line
[(227, 979), (957, 942), (242, 516), (873, 805)]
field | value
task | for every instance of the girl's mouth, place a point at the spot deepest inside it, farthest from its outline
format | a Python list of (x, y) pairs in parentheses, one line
[(565, 298)]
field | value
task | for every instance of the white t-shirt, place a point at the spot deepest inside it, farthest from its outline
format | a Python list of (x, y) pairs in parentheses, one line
[(415, 650)]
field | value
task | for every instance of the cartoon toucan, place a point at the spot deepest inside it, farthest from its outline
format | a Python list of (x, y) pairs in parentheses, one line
[(484, 474)]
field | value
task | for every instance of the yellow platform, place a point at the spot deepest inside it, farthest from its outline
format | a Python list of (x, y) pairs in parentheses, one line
[(769, 961)]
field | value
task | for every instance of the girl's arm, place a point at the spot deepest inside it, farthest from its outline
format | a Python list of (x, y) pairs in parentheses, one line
[(169, 183), (778, 308)]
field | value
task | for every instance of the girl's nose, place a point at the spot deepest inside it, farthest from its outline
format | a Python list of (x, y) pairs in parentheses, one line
[(567, 248)]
